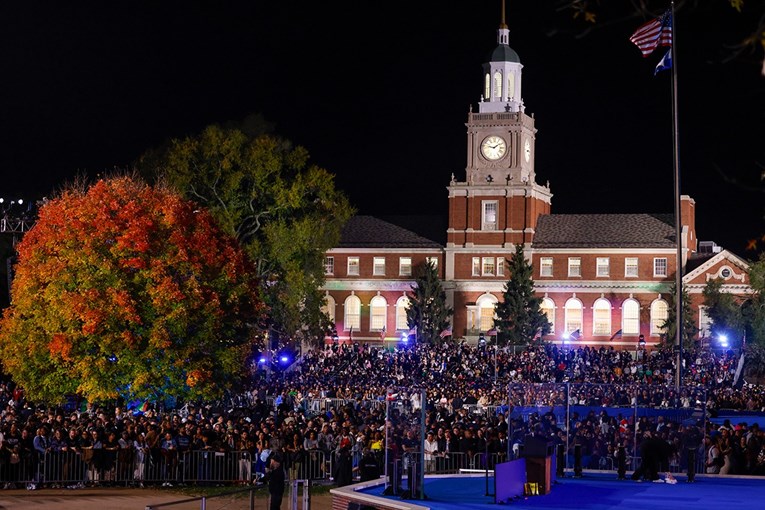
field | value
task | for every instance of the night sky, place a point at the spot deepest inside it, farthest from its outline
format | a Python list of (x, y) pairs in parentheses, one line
[(378, 92)]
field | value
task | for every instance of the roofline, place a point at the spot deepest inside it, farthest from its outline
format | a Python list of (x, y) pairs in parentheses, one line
[(723, 255)]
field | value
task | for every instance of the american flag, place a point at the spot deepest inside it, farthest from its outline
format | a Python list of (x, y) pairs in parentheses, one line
[(655, 33), (446, 332), (492, 332), (576, 335)]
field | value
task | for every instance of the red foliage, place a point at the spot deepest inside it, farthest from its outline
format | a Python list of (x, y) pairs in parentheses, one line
[(130, 273)]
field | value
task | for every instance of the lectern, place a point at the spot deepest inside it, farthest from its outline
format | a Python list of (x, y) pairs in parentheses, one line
[(538, 453)]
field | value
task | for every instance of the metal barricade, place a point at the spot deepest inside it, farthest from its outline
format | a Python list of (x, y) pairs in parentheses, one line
[(211, 467), (488, 460), (63, 468)]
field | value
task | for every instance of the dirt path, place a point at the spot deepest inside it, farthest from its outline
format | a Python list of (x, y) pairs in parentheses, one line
[(131, 499)]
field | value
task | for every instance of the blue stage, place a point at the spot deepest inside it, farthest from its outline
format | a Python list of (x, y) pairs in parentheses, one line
[(598, 492)]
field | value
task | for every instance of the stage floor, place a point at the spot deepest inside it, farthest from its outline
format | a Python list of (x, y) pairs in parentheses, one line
[(598, 492)]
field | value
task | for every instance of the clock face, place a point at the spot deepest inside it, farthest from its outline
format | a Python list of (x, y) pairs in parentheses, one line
[(527, 151), (493, 147)]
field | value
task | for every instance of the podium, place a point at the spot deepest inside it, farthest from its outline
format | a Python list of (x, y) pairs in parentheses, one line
[(538, 453)]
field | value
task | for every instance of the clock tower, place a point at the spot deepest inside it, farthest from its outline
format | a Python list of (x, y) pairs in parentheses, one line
[(498, 204)]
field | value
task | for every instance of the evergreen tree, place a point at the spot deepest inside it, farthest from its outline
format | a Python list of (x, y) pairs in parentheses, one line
[(519, 315), (427, 309), (689, 329)]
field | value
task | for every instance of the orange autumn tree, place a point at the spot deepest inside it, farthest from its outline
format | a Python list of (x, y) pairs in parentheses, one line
[(124, 288)]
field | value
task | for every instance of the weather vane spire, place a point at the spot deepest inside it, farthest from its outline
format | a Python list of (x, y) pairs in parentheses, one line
[(502, 23)]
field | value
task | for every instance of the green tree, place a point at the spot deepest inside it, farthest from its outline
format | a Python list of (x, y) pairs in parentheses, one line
[(753, 309), (122, 288), (519, 315), (427, 309), (689, 329), (723, 309), (285, 211)]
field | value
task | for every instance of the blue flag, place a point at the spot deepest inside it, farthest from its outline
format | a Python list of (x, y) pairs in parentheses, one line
[(665, 62)]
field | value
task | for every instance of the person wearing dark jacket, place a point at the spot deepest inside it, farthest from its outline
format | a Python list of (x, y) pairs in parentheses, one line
[(275, 479), (655, 453), (368, 466)]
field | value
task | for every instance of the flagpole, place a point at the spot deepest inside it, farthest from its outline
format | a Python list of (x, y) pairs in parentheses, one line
[(678, 220)]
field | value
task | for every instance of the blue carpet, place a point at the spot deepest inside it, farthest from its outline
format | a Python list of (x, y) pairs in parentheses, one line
[(601, 492)]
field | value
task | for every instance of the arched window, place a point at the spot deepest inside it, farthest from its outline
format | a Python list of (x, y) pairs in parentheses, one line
[(573, 315), (659, 314), (378, 308), (486, 304), (630, 317), (401, 305), (352, 317), (329, 307), (705, 323), (510, 86), (498, 85), (548, 308), (601, 317), (487, 87)]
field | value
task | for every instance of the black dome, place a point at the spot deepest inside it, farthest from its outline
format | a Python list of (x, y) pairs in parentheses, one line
[(504, 53)]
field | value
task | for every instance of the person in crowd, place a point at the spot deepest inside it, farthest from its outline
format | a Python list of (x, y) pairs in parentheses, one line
[(275, 478), (369, 466), (430, 452), (140, 458), (714, 457)]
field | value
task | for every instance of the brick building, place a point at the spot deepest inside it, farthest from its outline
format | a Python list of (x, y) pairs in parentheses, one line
[(598, 274)]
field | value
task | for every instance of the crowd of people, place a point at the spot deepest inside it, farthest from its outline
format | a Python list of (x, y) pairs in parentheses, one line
[(325, 417)]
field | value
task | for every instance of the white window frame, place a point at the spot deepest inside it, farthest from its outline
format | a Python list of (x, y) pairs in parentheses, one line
[(378, 266), (602, 267), (354, 266), (405, 266), (486, 205), (658, 318), (432, 260), (629, 264), (548, 308), (658, 262), (500, 266), (402, 304), (352, 317), (488, 266), (601, 317), (485, 319), (378, 313), (574, 267), (329, 266), (329, 307), (574, 315), (476, 271), (630, 324), (545, 267)]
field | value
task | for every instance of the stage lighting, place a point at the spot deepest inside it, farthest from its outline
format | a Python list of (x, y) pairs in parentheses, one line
[(723, 340)]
